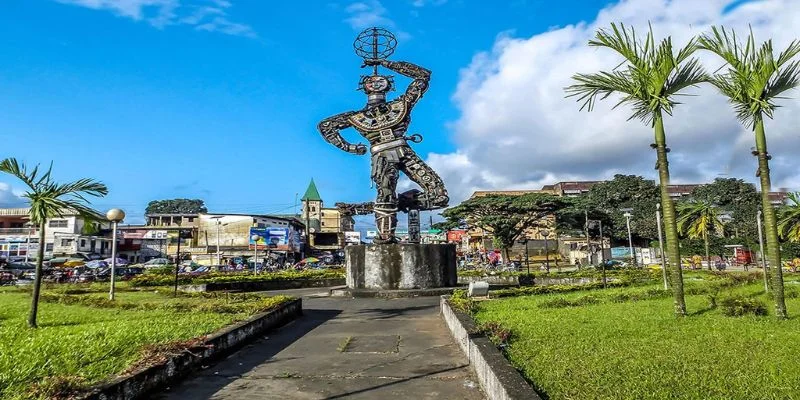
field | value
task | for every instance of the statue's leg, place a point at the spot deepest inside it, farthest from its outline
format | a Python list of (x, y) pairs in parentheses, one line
[(434, 194), (385, 174)]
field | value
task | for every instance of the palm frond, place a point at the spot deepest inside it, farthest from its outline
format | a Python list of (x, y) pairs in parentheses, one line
[(623, 41)]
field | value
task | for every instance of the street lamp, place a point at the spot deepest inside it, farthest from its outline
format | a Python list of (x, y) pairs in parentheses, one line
[(661, 245), (255, 238), (115, 215), (219, 259), (627, 214), (28, 241), (545, 233)]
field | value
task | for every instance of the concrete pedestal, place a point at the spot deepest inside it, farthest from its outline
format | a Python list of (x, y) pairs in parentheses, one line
[(400, 266)]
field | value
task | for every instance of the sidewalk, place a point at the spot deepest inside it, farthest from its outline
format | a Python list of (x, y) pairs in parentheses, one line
[(344, 349)]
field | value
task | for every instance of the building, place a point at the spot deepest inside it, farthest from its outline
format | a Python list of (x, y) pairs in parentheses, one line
[(326, 227), (280, 237), (68, 235)]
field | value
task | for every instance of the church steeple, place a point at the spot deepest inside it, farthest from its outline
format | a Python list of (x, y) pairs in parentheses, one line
[(312, 194)]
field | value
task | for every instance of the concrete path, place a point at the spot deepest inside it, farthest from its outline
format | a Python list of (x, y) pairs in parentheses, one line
[(344, 349)]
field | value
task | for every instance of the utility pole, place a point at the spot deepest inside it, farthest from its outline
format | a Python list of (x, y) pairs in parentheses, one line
[(628, 216), (177, 262)]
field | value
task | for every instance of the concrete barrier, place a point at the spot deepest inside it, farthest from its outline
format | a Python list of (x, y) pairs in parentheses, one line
[(140, 383), (498, 379)]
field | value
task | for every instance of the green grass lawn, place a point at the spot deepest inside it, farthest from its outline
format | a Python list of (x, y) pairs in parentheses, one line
[(608, 349), (84, 345)]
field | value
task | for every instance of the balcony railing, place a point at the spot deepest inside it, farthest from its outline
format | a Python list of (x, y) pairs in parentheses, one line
[(18, 231)]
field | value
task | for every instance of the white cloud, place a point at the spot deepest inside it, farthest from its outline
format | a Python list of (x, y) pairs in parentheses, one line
[(516, 129), (369, 13), (10, 198), (423, 3), (207, 15)]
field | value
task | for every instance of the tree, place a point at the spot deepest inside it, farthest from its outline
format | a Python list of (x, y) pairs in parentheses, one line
[(651, 77), (752, 82), (738, 199), (506, 217), (789, 221), (176, 206), (49, 199), (626, 191), (698, 220)]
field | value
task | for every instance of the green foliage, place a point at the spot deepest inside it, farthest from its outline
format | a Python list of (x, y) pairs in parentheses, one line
[(625, 191), (497, 334), (83, 339), (737, 306), (789, 219), (461, 302), (636, 348), (739, 199), (647, 80), (507, 217), (159, 279), (754, 77), (560, 302), (176, 206), (699, 219)]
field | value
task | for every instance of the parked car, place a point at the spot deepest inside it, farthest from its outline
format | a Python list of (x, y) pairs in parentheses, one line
[(156, 262)]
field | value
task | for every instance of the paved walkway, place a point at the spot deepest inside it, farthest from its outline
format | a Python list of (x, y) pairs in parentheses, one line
[(344, 349)]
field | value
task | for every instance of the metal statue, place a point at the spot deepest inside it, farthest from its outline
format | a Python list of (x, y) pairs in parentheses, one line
[(384, 125)]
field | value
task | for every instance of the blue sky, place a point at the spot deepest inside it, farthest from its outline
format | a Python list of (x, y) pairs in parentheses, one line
[(219, 99), (161, 108)]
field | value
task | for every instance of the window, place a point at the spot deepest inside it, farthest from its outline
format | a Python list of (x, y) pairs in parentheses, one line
[(48, 247), (66, 242), (190, 219), (57, 223), (313, 208), (15, 225), (83, 242)]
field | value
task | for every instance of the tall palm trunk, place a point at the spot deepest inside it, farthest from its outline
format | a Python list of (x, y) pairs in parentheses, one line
[(770, 223), (670, 222), (708, 256), (37, 280)]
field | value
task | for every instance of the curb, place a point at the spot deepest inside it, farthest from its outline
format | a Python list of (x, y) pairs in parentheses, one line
[(139, 383), (499, 380)]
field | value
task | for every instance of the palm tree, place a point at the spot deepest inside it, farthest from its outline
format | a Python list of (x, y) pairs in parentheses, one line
[(47, 200), (697, 220), (789, 221), (754, 79), (651, 77)]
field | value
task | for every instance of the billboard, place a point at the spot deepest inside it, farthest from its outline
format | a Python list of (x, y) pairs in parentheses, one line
[(161, 235), (352, 237), (455, 235), (372, 234), (275, 238), (620, 252)]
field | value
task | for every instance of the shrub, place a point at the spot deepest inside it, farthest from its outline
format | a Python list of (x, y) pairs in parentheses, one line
[(149, 279), (561, 302), (737, 306), (460, 302), (498, 334)]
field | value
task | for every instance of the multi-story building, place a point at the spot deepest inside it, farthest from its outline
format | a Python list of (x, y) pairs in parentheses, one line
[(67, 235), (280, 237)]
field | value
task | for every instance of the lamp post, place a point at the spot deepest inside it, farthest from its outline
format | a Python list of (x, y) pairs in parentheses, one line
[(545, 233), (627, 214), (527, 256), (661, 245), (219, 256), (761, 251), (28, 241), (115, 215), (255, 238)]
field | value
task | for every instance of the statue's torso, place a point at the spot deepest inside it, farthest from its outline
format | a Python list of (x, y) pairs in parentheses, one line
[(384, 122)]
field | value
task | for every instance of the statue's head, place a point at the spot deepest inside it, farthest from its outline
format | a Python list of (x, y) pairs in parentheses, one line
[(376, 87)]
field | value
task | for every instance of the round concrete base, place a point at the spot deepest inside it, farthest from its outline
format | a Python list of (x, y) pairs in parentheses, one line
[(400, 266)]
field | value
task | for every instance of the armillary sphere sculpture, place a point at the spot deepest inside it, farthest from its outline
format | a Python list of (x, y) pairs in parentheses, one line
[(384, 125)]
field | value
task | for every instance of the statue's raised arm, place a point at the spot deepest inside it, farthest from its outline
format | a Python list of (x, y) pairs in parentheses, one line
[(421, 78), (330, 127)]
